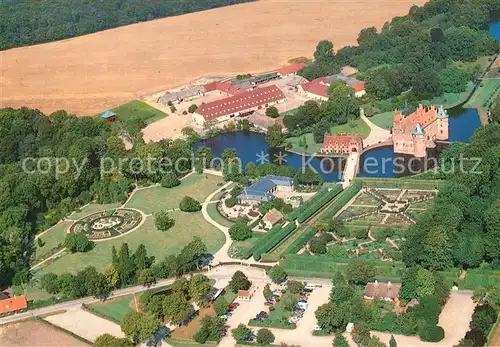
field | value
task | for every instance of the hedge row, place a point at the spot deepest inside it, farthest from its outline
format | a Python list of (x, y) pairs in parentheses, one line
[(318, 203), (265, 245), (302, 240), (248, 253), (402, 183), (343, 199), (295, 213)]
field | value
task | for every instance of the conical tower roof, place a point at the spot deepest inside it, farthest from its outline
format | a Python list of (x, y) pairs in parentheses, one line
[(418, 130)]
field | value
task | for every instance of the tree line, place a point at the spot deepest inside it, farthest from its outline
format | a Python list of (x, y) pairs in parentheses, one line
[(28, 22), (126, 268)]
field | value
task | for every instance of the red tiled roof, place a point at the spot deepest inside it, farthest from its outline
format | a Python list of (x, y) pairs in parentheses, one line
[(225, 87), (244, 293), (13, 304), (316, 87), (358, 87), (342, 139), (422, 115), (291, 69), (240, 102)]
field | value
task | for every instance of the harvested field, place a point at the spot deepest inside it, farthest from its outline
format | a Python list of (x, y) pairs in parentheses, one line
[(35, 333), (89, 74)]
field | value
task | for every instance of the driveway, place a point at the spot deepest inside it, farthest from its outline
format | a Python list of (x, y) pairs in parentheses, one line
[(454, 319)]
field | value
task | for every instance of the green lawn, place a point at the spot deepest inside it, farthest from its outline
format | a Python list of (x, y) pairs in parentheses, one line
[(238, 248), (276, 319), (355, 126), (114, 309), (52, 239), (215, 215), (485, 94), (160, 244), (383, 120), (91, 208), (32, 292), (452, 99), (157, 198), (139, 109)]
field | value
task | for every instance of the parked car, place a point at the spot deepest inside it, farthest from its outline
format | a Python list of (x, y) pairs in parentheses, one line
[(302, 305), (229, 314), (303, 299), (267, 303), (317, 328), (223, 317), (235, 304)]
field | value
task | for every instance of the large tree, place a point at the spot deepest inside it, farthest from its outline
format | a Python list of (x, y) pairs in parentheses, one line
[(239, 281)]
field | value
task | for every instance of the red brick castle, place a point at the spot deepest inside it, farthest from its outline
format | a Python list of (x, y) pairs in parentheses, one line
[(415, 133)]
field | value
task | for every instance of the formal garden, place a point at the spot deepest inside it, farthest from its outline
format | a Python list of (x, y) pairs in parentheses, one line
[(127, 225), (107, 224)]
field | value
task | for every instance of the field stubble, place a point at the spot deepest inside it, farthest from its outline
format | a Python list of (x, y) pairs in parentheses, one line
[(89, 74)]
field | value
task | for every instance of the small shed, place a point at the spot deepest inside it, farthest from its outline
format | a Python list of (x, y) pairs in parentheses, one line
[(109, 116), (245, 295)]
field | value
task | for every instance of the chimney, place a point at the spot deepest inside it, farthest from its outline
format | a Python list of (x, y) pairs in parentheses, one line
[(389, 284), (376, 282)]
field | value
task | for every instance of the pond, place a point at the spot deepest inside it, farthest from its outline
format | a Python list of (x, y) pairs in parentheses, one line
[(494, 30), (252, 147), (380, 162), (383, 162)]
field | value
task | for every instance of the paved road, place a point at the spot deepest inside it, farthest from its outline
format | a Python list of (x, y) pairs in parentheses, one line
[(221, 274)]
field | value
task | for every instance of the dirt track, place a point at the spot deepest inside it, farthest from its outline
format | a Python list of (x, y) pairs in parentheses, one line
[(91, 73)]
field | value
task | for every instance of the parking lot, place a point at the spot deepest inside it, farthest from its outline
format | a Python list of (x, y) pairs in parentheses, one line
[(302, 335)]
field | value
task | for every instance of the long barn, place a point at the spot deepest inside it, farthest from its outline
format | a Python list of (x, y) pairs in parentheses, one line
[(237, 105)]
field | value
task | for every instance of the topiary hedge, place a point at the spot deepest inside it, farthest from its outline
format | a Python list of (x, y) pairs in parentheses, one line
[(294, 214), (268, 242), (431, 333), (302, 240), (343, 199), (317, 203)]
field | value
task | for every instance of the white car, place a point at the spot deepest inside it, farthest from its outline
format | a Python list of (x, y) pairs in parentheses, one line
[(317, 328), (223, 317)]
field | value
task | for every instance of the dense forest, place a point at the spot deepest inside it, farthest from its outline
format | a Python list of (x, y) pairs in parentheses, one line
[(68, 151), (462, 229), (414, 58), (28, 22)]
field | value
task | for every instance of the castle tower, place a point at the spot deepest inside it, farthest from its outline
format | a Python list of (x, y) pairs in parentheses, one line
[(442, 124), (419, 142)]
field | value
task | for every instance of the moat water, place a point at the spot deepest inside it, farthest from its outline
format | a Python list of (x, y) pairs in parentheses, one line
[(380, 162)]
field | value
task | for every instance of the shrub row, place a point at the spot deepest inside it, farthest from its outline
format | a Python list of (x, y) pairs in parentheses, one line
[(250, 250), (295, 213), (302, 240), (343, 199), (266, 324), (318, 203), (269, 242)]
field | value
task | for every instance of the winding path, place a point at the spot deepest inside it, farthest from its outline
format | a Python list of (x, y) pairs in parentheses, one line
[(222, 254)]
